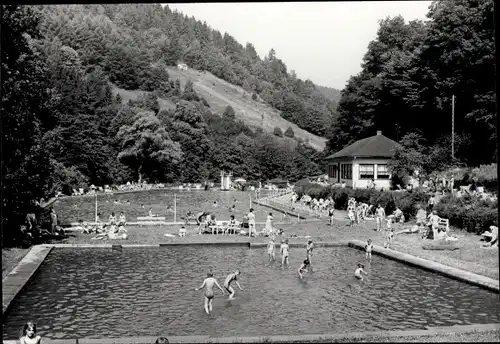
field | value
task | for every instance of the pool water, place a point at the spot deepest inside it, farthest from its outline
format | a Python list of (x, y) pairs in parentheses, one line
[(97, 293)]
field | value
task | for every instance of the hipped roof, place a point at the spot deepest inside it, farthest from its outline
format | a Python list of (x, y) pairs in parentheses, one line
[(377, 146)]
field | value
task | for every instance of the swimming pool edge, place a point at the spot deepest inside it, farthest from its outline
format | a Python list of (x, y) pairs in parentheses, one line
[(461, 275), (15, 281), (282, 338)]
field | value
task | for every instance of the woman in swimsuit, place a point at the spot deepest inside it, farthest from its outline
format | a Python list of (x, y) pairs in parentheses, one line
[(29, 334), (208, 283)]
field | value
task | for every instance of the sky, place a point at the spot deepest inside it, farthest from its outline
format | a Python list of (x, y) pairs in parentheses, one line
[(321, 41)]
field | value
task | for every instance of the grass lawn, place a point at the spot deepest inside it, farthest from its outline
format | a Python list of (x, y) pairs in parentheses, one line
[(470, 256), (72, 209)]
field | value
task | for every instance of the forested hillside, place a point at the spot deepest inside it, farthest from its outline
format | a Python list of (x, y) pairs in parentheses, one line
[(409, 75), (87, 99), (124, 40)]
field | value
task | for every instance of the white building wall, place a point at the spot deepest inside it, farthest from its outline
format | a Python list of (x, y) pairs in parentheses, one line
[(363, 183), (355, 182)]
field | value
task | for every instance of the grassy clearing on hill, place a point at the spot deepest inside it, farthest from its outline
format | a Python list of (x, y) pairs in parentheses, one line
[(220, 94)]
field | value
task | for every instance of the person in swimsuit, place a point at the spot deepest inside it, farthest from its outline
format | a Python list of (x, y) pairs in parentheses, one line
[(303, 268), (29, 334), (284, 252), (380, 216), (389, 238), (368, 249), (359, 271), (229, 279), (331, 211), (271, 248), (309, 249), (209, 283)]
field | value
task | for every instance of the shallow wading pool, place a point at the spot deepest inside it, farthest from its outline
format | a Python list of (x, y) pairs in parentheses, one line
[(99, 293)]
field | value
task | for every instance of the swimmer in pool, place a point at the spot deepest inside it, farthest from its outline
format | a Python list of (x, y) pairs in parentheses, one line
[(309, 249), (303, 268), (284, 252), (227, 283), (208, 283), (368, 249), (359, 271), (271, 248)]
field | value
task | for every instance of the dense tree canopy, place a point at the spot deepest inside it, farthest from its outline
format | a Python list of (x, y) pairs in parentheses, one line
[(410, 73)]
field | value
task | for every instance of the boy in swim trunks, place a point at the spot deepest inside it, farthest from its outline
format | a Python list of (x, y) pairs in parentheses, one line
[(331, 211), (389, 238), (284, 252), (229, 279), (359, 271), (368, 249), (271, 249), (303, 268), (309, 249), (209, 283)]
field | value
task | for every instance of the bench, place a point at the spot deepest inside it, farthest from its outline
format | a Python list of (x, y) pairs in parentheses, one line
[(150, 220)]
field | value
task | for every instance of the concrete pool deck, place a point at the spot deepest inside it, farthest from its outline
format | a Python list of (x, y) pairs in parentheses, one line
[(329, 337), (20, 275)]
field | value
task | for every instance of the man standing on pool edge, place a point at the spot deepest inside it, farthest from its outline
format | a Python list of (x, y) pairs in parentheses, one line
[(209, 291)]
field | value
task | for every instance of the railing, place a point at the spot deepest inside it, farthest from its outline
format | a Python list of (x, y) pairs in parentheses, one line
[(273, 193)]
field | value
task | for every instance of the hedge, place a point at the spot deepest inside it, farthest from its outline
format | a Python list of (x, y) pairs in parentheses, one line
[(406, 201), (466, 212)]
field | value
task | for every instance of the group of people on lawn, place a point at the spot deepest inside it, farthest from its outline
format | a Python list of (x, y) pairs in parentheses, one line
[(113, 229), (207, 223)]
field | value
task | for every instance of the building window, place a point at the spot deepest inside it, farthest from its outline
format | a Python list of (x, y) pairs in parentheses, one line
[(332, 171), (366, 171), (382, 172), (346, 171)]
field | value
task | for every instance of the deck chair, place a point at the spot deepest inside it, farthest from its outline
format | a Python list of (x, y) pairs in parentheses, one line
[(219, 227), (493, 234), (233, 228)]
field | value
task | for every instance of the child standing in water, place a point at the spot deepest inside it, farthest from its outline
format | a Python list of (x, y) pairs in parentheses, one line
[(29, 334), (303, 268), (284, 252), (368, 249), (309, 249), (359, 271), (229, 279), (208, 284), (271, 249)]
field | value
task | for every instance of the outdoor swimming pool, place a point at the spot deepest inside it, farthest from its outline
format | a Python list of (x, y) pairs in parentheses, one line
[(97, 293)]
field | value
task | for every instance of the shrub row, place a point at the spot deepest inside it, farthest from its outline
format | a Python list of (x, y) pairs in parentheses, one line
[(473, 215), (467, 212), (406, 201)]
